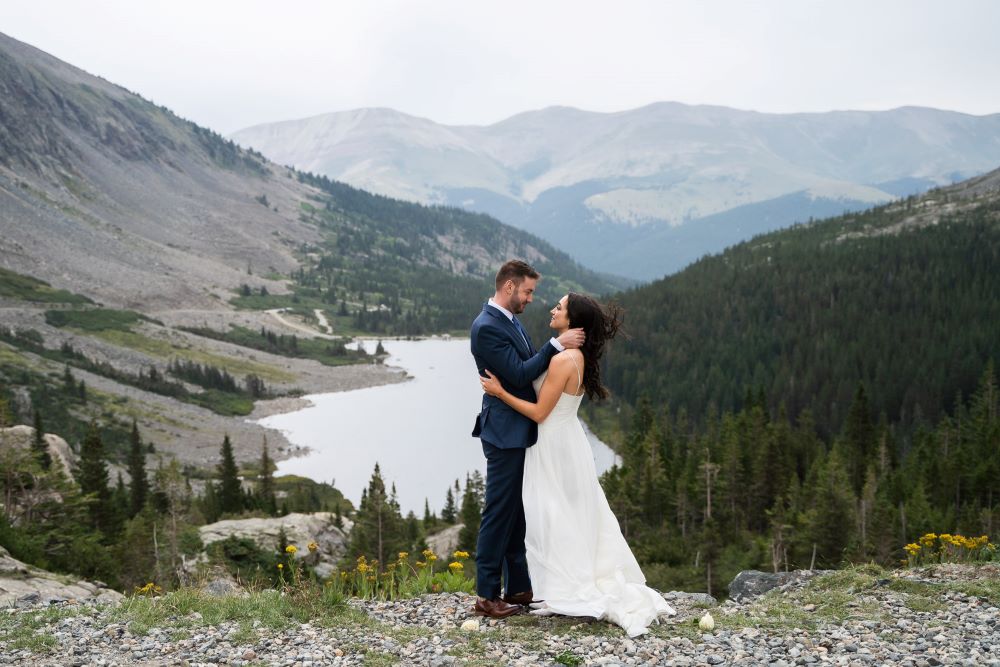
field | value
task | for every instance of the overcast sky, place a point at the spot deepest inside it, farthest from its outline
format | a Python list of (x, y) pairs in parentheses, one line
[(229, 65)]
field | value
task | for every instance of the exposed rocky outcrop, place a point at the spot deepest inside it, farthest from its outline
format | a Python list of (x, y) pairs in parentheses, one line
[(753, 583), (300, 530), (22, 437), (22, 584), (445, 541)]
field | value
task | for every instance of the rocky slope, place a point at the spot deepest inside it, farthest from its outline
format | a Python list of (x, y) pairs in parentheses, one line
[(643, 192)]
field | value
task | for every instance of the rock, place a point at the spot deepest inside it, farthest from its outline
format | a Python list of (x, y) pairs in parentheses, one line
[(691, 598), (300, 530), (23, 436), (445, 542), (219, 582), (24, 585), (752, 583)]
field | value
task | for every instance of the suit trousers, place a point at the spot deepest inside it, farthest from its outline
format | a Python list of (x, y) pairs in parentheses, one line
[(500, 553)]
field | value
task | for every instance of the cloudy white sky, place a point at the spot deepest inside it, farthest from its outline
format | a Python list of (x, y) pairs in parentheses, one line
[(229, 64)]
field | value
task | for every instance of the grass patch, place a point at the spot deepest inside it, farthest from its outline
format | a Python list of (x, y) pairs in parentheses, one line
[(833, 598), (94, 319), (25, 288), (162, 349), (25, 630), (568, 658), (985, 589), (328, 352), (379, 659), (177, 611), (223, 403)]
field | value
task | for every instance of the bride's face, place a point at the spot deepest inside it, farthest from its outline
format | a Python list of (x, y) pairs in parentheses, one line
[(560, 318)]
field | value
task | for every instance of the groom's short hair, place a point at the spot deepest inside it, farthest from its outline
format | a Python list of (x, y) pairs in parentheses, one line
[(517, 271)]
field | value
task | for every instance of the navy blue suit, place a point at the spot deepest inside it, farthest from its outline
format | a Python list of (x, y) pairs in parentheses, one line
[(499, 346)]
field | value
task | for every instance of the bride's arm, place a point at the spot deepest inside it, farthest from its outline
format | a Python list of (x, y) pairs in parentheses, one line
[(548, 395)]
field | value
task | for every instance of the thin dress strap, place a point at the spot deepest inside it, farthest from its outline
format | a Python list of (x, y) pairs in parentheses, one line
[(579, 376)]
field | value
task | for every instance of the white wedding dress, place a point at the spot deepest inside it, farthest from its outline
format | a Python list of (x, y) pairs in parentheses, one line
[(578, 560)]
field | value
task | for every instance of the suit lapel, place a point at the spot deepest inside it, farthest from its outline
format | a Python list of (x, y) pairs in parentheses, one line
[(520, 341)]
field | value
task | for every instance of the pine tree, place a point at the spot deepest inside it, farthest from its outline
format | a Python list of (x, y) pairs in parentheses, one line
[(859, 438), (93, 479), (413, 534), (448, 513), (378, 530), (833, 530), (471, 514), (69, 382), (429, 519), (139, 487), (230, 490), (265, 484), (38, 444), (171, 484), (5, 416)]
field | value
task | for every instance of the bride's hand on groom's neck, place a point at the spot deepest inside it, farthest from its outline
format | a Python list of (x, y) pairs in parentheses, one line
[(572, 338)]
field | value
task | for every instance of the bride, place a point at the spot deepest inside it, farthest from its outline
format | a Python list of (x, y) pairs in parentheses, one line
[(578, 560)]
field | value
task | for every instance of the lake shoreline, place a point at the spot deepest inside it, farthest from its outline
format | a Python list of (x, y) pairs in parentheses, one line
[(419, 431)]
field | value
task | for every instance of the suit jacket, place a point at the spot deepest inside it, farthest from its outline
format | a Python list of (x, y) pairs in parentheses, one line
[(497, 345)]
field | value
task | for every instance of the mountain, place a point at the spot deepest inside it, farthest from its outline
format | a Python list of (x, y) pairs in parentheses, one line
[(902, 299), (643, 192), (114, 197), (143, 260)]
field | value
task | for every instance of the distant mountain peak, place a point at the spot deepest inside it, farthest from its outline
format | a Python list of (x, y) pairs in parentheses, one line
[(620, 181)]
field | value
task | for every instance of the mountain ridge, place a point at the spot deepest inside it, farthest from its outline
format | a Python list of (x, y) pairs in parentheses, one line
[(174, 211), (664, 165)]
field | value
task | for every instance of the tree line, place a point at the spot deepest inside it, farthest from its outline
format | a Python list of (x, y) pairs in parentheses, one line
[(756, 489)]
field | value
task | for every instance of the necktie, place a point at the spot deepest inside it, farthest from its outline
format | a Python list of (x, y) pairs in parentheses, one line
[(520, 330)]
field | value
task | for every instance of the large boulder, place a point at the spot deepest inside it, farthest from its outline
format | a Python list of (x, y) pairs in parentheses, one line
[(752, 583), (300, 530), (22, 437), (445, 542), (23, 585)]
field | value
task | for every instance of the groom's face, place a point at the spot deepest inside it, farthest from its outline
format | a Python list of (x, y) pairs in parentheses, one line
[(522, 295)]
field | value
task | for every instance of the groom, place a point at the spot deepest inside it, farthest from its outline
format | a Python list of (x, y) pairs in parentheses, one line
[(500, 344)]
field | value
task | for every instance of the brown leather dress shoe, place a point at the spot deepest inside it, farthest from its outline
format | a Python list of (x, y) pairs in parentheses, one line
[(523, 599), (495, 608)]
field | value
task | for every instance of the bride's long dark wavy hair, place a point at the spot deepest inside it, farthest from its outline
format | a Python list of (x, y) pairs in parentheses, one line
[(601, 324)]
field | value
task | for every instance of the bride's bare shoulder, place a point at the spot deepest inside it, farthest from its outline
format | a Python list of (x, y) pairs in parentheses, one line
[(568, 358)]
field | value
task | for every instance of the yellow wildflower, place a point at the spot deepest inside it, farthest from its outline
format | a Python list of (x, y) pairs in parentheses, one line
[(312, 547), (429, 555), (280, 566), (460, 555), (421, 564), (403, 555), (455, 566), (291, 549)]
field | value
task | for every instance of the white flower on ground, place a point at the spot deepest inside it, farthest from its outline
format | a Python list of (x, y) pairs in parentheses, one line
[(707, 623), (471, 625)]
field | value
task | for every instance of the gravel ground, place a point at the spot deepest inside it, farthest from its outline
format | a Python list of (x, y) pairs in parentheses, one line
[(917, 619)]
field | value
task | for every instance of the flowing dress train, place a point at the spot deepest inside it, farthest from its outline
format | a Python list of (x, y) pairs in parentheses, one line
[(578, 560)]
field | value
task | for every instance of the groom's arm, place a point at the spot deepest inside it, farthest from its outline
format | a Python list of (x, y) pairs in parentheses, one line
[(498, 352)]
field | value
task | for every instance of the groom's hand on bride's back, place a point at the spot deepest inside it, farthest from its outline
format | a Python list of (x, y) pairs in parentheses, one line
[(572, 338)]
